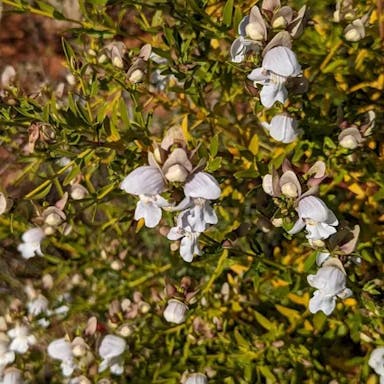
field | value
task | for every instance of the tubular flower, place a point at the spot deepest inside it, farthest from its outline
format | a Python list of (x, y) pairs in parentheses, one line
[(175, 312), (376, 362), (146, 182), (189, 245), (318, 220), (330, 282), (111, 349), (61, 349), (31, 243), (197, 378), (279, 64)]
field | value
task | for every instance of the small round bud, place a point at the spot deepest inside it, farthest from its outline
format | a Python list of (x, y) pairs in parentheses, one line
[(279, 22), (48, 231), (53, 219), (136, 76), (176, 173), (117, 62), (253, 30), (349, 142), (289, 189), (102, 58), (197, 378), (277, 222), (78, 192), (175, 312)]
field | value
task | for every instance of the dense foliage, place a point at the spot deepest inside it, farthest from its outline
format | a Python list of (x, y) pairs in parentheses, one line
[(136, 75)]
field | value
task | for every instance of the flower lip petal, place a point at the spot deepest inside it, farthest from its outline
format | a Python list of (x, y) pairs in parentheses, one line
[(145, 180), (203, 185), (259, 76), (272, 93)]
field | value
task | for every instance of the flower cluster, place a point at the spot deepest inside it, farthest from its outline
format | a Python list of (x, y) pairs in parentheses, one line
[(170, 167), (77, 353), (295, 191), (257, 29), (272, 29)]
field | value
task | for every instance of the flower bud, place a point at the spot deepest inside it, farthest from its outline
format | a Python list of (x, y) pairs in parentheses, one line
[(355, 31), (136, 76), (175, 312), (349, 142), (79, 347), (117, 62), (102, 59), (254, 31), (5, 204), (176, 173), (279, 22), (277, 222), (78, 192), (197, 378), (289, 190)]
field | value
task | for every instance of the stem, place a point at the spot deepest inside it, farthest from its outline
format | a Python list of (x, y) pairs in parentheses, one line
[(327, 59)]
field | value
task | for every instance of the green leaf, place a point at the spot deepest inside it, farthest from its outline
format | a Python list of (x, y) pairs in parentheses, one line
[(227, 13)]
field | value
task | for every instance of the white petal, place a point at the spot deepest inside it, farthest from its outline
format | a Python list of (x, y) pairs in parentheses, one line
[(282, 61), (149, 212), (345, 293), (298, 226), (319, 231), (117, 369), (283, 128), (27, 250), (187, 248), (60, 349), (321, 257), (320, 302), (112, 346), (33, 235), (67, 367), (175, 233), (144, 180), (202, 185), (259, 75), (272, 93), (376, 360), (19, 345), (312, 207)]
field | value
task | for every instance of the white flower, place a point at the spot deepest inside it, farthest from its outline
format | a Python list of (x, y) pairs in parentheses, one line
[(12, 376), (200, 213), (376, 361), (5, 204), (61, 349), (189, 245), (196, 378), (111, 348), (31, 243), (316, 217), (350, 138), (21, 339), (175, 312), (252, 30), (330, 282), (147, 182), (278, 65), (37, 305), (355, 31), (6, 356), (283, 128)]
